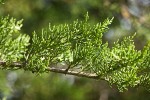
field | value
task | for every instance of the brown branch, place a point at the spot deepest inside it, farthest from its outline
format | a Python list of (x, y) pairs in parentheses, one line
[(55, 70), (75, 73)]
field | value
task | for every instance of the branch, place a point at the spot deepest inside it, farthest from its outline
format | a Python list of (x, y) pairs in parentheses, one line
[(55, 70), (75, 73)]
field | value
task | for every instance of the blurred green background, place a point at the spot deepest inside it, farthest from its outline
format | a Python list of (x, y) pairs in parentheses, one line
[(130, 17)]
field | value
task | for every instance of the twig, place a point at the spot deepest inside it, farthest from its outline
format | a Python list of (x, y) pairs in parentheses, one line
[(55, 70), (75, 73)]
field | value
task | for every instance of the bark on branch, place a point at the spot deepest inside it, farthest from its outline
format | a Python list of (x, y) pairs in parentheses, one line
[(55, 70)]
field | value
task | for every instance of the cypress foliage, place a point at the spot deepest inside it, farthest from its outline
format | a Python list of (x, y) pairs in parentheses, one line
[(79, 47)]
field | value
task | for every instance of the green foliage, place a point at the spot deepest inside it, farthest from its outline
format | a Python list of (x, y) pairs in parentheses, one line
[(73, 44), (78, 45), (12, 43), (144, 67), (123, 64)]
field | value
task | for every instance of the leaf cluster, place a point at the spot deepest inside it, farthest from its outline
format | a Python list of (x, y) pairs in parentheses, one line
[(79, 46), (73, 44), (12, 43)]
